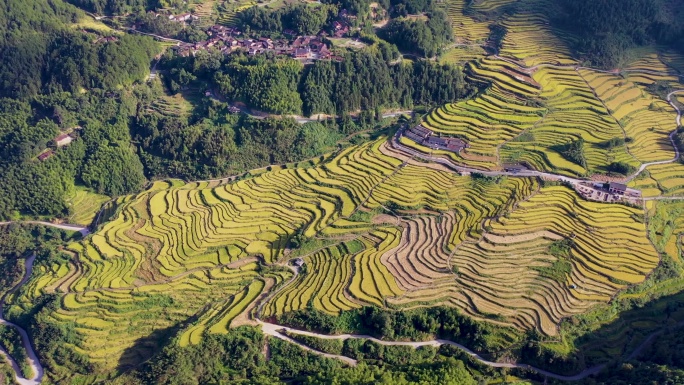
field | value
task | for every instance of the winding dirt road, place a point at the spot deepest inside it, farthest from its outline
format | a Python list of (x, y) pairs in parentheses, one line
[(33, 361), (276, 331), (63, 226)]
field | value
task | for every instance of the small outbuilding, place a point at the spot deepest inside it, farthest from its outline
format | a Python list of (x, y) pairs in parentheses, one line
[(45, 155)]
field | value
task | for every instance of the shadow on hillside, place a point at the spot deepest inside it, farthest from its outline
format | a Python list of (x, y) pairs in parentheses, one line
[(628, 338), (146, 347)]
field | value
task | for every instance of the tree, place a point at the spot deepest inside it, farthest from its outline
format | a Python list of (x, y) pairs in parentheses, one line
[(113, 170)]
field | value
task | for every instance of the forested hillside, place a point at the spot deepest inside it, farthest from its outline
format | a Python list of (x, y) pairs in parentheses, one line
[(605, 32), (36, 36), (342, 192)]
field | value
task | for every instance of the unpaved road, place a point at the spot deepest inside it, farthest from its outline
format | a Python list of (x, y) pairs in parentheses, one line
[(63, 226), (275, 331), (36, 367)]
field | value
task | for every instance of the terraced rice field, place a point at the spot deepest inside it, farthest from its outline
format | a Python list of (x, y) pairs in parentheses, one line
[(466, 29), (496, 116), (661, 179), (228, 11), (199, 238), (531, 40), (502, 126), (645, 119), (498, 271), (202, 257), (85, 205), (175, 105), (490, 6), (667, 227), (204, 11)]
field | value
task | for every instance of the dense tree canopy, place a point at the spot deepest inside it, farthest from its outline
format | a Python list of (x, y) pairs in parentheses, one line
[(363, 81), (606, 29), (302, 18), (52, 56), (424, 37)]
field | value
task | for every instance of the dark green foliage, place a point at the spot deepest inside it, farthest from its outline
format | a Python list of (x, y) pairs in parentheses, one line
[(113, 170), (497, 33), (225, 144), (573, 151), (151, 23), (561, 248), (606, 29), (638, 373), (355, 7), (10, 341), (53, 57), (301, 18), (558, 271), (18, 241), (320, 344), (446, 372), (679, 142), (266, 85), (6, 373), (621, 168), (364, 80), (410, 7), (418, 36), (99, 157), (370, 351), (485, 179), (237, 358), (613, 143), (440, 322), (109, 7)]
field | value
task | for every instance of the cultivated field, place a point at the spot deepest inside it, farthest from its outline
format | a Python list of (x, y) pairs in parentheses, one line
[(85, 205), (200, 256), (370, 226), (535, 99)]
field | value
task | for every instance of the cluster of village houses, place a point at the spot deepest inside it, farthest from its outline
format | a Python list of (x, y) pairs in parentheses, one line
[(227, 40), (422, 135)]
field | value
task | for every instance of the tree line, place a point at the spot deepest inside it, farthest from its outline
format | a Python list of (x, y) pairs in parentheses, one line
[(364, 80), (425, 37), (237, 357), (303, 19)]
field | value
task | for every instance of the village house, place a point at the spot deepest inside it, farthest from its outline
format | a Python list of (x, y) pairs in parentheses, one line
[(340, 29), (107, 39), (514, 167), (301, 53), (63, 140), (617, 188), (45, 155), (422, 135), (184, 17), (222, 38)]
